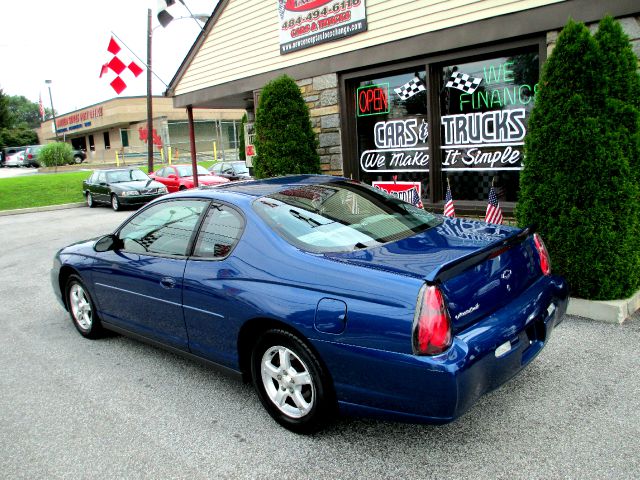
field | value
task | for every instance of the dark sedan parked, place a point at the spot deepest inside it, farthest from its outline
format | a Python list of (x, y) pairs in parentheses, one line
[(121, 187), (327, 293), (231, 170)]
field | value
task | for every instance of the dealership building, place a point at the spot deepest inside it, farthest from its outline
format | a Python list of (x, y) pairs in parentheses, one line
[(120, 125), (402, 94)]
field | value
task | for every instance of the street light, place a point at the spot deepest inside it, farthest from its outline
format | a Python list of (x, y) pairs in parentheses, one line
[(150, 30), (53, 112)]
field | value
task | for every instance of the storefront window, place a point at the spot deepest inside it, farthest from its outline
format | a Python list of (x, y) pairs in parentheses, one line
[(392, 134), (484, 109)]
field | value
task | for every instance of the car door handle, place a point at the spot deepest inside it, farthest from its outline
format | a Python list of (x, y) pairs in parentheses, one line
[(168, 282)]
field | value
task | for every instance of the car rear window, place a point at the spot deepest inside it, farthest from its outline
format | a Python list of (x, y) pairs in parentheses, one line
[(341, 216)]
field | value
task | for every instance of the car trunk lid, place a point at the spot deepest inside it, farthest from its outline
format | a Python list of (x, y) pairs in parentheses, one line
[(479, 267)]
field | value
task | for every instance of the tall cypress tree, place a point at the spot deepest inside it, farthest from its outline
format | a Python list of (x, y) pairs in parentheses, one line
[(285, 142), (577, 185)]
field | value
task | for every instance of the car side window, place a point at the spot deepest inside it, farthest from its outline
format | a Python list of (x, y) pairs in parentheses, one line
[(101, 178), (164, 228), (92, 178), (217, 168), (161, 172), (220, 232), (228, 168)]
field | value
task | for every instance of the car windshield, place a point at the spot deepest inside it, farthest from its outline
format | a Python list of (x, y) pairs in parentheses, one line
[(341, 217), (118, 176), (187, 171), (240, 167)]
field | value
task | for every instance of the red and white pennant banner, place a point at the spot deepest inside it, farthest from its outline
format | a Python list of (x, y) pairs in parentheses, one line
[(118, 67)]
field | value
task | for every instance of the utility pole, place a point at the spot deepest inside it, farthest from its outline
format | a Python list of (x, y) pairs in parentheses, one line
[(149, 97)]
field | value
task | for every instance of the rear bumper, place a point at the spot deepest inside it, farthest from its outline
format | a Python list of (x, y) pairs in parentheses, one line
[(440, 388)]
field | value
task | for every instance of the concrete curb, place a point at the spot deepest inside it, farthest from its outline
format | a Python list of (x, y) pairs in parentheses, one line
[(20, 211), (610, 311)]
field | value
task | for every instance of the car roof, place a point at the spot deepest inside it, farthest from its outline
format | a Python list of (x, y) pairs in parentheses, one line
[(123, 169), (269, 186)]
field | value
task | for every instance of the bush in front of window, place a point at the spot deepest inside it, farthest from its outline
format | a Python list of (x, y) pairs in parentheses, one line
[(55, 154), (285, 142), (579, 185)]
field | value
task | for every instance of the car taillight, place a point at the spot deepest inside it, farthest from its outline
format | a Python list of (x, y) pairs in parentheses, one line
[(29, 156), (431, 324), (545, 261)]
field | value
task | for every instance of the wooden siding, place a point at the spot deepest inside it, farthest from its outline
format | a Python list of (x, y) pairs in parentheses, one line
[(245, 40)]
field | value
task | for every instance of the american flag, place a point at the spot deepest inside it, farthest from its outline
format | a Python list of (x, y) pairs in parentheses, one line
[(449, 211), (414, 198), (41, 108), (494, 212)]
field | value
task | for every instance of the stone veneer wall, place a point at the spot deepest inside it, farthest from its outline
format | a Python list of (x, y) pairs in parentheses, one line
[(630, 25), (321, 95)]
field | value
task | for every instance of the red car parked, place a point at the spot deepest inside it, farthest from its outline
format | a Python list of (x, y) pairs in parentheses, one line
[(180, 177)]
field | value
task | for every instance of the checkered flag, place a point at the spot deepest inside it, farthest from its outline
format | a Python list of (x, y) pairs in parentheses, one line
[(118, 67), (410, 88), (464, 82)]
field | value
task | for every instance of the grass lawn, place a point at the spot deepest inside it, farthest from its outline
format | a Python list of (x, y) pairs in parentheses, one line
[(41, 190)]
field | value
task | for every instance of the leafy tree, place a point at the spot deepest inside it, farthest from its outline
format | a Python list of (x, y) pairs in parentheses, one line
[(24, 113), (17, 137), (285, 142), (242, 154), (577, 186), (4, 111), (55, 154)]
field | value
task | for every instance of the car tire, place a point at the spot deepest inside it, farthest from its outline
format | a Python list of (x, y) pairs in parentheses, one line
[(291, 382), (115, 203), (82, 310), (77, 159), (182, 187), (90, 202)]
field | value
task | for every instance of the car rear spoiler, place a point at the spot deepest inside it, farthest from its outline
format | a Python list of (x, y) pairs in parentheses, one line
[(453, 268)]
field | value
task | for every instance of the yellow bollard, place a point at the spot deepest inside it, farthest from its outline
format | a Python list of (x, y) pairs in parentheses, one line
[(170, 152), (215, 152), (117, 159), (162, 155)]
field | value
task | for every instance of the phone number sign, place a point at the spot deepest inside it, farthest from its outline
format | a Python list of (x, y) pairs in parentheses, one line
[(306, 23)]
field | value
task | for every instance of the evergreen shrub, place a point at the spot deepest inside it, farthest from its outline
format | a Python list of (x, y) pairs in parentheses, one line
[(285, 142), (578, 185)]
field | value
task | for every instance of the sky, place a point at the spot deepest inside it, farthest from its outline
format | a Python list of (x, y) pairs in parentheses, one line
[(66, 41)]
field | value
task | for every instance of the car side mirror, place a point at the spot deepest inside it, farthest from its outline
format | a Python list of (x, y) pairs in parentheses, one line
[(107, 243)]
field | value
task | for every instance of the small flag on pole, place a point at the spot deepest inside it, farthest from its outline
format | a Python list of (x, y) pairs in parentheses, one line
[(494, 212), (464, 82), (118, 67), (41, 106), (449, 211)]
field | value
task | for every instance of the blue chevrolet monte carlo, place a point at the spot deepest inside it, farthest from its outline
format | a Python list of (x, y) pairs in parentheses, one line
[(329, 295)]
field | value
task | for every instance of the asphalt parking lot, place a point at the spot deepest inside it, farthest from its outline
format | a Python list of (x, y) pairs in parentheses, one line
[(116, 408)]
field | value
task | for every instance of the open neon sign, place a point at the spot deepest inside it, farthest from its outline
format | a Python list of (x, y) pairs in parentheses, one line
[(372, 100)]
